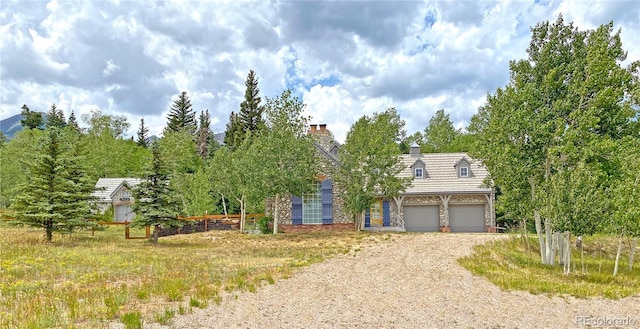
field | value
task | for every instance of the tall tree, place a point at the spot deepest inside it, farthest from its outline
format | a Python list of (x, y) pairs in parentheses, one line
[(21, 149), (559, 112), (440, 135), (30, 119), (234, 134), (250, 109), (286, 151), (99, 123), (55, 117), (370, 163), (73, 122), (203, 136), (56, 195), (156, 203), (143, 135), (181, 115)]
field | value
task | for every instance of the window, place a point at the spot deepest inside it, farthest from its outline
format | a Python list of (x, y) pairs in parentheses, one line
[(312, 206), (464, 171), (419, 173)]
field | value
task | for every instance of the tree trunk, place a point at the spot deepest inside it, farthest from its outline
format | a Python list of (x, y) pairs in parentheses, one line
[(276, 214), (559, 238), (567, 252), (582, 256), (615, 267), (524, 232), (224, 205), (538, 221), (550, 252), (156, 232), (631, 252)]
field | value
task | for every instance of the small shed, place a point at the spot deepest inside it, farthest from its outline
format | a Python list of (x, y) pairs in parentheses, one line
[(116, 192)]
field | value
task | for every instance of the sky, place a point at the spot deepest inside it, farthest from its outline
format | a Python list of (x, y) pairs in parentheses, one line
[(343, 59)]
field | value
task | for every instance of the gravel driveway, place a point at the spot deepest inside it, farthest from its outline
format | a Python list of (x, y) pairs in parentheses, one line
[(413, 281)]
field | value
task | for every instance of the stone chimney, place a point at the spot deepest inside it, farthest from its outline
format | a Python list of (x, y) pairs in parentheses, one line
[(313, 128), (414, 151)]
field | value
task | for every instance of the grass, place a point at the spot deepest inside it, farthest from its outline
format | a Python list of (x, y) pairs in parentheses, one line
[(511, 265), (85, 281)]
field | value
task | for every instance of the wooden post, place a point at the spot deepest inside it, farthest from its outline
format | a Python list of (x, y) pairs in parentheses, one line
[(126, 232), (148, 231)]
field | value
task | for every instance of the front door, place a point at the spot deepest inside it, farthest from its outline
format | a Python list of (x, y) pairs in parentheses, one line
[(376, 214)]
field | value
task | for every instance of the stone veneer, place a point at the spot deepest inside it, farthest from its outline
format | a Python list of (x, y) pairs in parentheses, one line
[(324, 138), (434, 200)]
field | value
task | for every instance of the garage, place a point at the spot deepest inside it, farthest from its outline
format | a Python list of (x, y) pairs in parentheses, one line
[(466, 218), (124, 213), (421, 218)]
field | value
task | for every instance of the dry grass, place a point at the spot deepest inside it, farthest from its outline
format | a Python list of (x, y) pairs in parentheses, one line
[(85, 281), (511, 265)]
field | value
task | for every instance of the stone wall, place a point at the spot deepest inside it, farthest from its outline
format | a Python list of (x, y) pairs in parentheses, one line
[(289, 228), (199, 226)]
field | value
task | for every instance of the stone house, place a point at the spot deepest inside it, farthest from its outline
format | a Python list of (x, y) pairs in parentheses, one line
[(116, 192), (447, 194)]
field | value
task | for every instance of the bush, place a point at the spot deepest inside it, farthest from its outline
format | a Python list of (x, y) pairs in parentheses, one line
[(263, 224)]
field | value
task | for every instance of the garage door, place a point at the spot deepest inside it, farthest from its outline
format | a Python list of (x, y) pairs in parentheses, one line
[(466, 218), (124, 213), (421, 218)]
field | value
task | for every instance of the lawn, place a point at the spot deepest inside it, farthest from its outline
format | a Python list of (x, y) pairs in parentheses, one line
[(87, 281), (512, 264)]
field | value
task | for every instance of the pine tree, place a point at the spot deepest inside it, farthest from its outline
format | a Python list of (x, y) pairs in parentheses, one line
[(234, 134), (55, 117), (182, 116), (73, 122), (250, 110), (57, 192), (143, 138), (31, 120), (203, 137), (156, 203)]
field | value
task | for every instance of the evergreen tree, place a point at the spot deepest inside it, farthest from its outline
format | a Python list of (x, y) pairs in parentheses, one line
[(73, 122), (155, 201), (31, 120), (203, 137), (234, 134), (181, 115), (143, 138), (57, 192), (250, 110), (3, 139), (55, 117)]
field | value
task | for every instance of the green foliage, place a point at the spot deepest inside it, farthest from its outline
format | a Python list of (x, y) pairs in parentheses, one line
[(73, 122), (234, 133), (369, 161), (204, 135), (31, 120), (57, 191), (13, 155), (143, 135), (250, 115), (195, 193), (554, 124), (440, 134), (406, 142), (132, 320), (156, 202), (107, 156), (179, 152), (181, 116), (263, 224), (55, 118), (104, 124)]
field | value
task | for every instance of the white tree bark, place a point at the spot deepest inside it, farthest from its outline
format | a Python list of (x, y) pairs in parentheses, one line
[(276, 214), (550, 250), (631, 252), (538, 222), (559, 238), (567, 252), (615, 267), (224, 205)]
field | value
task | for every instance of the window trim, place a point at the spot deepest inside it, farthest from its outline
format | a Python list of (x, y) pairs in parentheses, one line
[(415, 172), (466, 174)]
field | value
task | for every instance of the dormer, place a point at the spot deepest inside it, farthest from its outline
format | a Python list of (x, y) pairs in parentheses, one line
[(334, 149), (463, 168), (419, 169)]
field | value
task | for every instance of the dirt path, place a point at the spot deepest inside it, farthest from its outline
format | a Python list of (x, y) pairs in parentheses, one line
[(411, 282)]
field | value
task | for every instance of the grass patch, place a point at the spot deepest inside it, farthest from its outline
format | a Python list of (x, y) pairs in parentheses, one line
[(86, 281), (511, 265)]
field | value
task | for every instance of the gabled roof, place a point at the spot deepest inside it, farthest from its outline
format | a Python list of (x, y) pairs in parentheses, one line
[(443, 176), (107, 187)]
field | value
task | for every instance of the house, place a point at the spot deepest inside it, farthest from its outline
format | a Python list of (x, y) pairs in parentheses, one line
[(116, 192), (447, 194)]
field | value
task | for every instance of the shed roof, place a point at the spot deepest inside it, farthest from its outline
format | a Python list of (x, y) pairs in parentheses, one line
[(442, 176), (107, 187)]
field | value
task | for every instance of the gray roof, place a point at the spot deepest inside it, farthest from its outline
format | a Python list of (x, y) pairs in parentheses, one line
[(106, 187), (441, 176)]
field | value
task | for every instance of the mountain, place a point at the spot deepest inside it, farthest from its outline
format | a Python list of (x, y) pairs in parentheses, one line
[(10, 126)]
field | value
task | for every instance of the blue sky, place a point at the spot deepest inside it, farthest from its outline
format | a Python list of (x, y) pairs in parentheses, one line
[(344, 59)]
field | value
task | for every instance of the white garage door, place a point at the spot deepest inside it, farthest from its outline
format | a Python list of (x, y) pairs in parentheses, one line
[(124, 213), (421, 218), (466, 218)]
